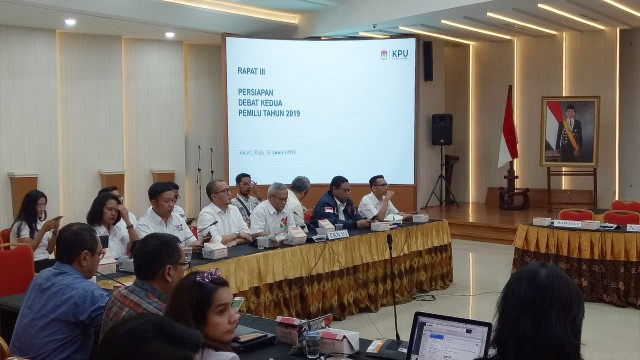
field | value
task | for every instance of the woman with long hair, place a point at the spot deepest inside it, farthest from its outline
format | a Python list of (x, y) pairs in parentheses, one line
[(539, 316), (31, 227), (202, 301), (105, 212)]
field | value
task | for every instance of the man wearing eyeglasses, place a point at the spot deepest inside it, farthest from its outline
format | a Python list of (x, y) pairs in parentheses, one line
[(272, 217), (220, 222), (377, 204), (159, 264), (62, 308), (336, 206)]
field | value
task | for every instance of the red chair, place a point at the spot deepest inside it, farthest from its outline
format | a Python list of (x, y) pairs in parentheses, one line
[(622, 217), (575, 214), (307, 215), (4, 235), (16, 269), (625, 205)]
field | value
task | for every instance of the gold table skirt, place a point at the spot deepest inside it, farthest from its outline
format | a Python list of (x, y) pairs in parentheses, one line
[(342, 277), (604, 265)]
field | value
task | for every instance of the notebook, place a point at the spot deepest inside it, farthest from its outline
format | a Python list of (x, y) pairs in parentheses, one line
[(441, 337), (247, 339)]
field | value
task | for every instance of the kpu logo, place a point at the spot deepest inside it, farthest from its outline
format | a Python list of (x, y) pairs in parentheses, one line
[(399, 54), (383, 54)]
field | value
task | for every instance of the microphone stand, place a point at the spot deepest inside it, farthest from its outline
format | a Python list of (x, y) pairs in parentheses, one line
[(393, 284), (211, 163), (199, 179)]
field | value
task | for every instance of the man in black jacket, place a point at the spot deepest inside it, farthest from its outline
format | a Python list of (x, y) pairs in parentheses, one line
[(336, 206)]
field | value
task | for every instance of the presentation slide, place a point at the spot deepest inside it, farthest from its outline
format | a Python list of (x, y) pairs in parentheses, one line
[(321, 108)]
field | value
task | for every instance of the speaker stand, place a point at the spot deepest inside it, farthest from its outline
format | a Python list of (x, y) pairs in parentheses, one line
[(441, 180)]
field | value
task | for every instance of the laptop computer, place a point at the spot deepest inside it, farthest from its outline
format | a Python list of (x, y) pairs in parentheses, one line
[(248, 339), (440, 337)]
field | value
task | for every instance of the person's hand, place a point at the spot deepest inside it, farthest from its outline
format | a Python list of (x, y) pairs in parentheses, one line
[(124, 213), (405, 216), (390, 194), (245, 236), (53, 224), (363, 223), (207, 238), (576, 152), (196, 244)]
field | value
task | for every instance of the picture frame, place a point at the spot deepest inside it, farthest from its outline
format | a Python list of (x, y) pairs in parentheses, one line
[(569, 131)]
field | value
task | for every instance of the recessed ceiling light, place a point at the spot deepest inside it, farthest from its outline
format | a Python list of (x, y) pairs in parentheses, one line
[(620, 6), (436, 35), (520, 23), (565, 14), (70, 21), (169, 35), (471, 28)]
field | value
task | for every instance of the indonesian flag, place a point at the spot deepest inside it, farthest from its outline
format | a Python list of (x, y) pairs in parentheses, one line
[(554, 119), (509, 140)]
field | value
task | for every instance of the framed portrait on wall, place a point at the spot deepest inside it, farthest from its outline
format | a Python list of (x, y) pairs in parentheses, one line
[(569, 131)]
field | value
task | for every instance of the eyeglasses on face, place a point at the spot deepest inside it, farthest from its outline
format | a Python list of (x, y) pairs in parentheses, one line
[(345, 190), (186, 264), (227, 190), (206, 277)]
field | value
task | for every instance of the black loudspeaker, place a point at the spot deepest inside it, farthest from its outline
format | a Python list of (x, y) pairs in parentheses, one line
[(427, 56), (441, 129)]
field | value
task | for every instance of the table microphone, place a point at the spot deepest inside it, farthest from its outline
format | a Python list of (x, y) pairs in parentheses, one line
[(200, 232), (110, 278)]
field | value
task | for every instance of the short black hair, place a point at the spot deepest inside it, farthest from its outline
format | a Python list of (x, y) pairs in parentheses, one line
[(337, 181), (157, 189), (374, 180), (153, 253), (173, 185), (107, 189), (570, 106), (211, 186), (148, 336), (94, 216), (240, 176), (73, 239)]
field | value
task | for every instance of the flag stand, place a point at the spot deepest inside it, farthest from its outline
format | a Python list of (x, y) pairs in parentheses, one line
[(508, 194)]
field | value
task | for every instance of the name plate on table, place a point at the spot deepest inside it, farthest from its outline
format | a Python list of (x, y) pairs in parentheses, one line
[(332, 235), (567, 224), (633, 228)]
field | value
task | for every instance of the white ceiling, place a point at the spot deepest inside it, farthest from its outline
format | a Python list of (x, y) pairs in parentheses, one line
[(152, 18)]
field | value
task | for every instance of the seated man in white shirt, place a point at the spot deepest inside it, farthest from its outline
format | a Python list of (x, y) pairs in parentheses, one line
[(229, 229), (162, 219), (272, 217), (377, 205), (297, 191), (176, 196)]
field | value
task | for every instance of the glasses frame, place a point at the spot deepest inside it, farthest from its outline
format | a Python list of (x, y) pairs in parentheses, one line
[(227, 190)]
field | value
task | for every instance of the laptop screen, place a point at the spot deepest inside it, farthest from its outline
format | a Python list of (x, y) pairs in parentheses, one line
[(440, 337)]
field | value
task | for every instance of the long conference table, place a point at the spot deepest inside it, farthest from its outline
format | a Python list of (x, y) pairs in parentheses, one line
[(342, 277), (604, 264)]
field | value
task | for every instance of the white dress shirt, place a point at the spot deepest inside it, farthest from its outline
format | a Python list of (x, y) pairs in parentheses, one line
[(40, 253), (118, 239), (229, 222), (296, 208), (370, 205), (265, 218), (152, 223), (340, 209)]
